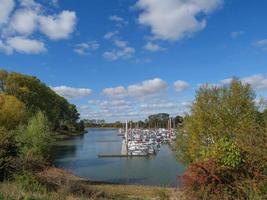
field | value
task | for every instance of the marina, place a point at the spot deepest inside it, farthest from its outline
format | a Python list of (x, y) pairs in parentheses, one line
[(143, 142), (97, 155)]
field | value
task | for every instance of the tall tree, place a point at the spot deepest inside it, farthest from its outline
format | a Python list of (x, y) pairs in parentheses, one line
[(227, 111)]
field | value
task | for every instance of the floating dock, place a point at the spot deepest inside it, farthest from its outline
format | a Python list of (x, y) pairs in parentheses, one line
[(119, 155)]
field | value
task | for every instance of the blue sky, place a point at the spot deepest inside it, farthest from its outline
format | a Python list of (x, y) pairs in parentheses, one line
[(120, 59)]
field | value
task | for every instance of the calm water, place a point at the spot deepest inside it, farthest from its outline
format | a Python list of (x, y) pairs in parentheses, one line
[(80, 155)]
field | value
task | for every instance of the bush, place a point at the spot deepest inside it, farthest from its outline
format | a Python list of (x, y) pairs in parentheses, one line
[(209, 180), (34, 139), (226, 152), (7, 152), (224, 141)]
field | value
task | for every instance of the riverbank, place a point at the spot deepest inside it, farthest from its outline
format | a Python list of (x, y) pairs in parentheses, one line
[(61, 184), (103, 127), (67, 134)]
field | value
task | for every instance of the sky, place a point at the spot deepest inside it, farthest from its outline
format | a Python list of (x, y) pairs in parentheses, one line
[(118, 59)]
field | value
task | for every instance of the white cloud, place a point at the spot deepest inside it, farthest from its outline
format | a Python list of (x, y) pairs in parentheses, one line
[(147, 88), (117, 54), (153, 47), (123, 51), (120, 43), (226, 81), (59, 26), (25, 18), (72, 93), (262, 44), (119, 20), (159, 106), (6, 7), (131, 109), (258, 81), (110, 35), (115, 105), (116, 92), (24, 21), (5, 48), (175, 19), (186, 103), (29, 3), (23, 45), (86, 47), (181, 85)]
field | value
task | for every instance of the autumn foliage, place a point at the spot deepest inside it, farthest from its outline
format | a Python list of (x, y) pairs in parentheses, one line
[(224, 141)]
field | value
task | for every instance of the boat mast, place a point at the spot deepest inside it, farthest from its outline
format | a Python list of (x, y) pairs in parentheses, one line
[(126, 136)]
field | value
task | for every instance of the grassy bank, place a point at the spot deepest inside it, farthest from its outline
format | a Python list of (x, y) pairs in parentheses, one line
[(57, 184)]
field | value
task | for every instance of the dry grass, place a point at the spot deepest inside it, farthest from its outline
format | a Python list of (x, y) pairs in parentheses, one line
[(63, 185)]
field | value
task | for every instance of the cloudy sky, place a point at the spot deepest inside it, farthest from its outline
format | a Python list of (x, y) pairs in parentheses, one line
[(118, 59)]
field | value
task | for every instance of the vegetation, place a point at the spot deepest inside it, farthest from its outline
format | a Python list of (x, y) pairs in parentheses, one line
[(224, 142), (12, 111), (56, 184), (35, 139), (8, 151), (36, 96), (31, 114)]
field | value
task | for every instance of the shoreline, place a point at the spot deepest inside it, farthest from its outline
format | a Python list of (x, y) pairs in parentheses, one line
[(67, 135), (54, 175)]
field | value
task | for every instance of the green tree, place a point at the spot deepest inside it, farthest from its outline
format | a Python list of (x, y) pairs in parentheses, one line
[(37, 96), (217, 112), (12, 112), (224, 142), (34, 139)]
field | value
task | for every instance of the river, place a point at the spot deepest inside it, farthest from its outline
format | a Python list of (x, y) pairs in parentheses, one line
[(79, 154)]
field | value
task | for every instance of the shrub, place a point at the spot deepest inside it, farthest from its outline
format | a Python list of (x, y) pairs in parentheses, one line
[(7, 152), (34, 139), (224, 140), (209, 180), (226, 152)]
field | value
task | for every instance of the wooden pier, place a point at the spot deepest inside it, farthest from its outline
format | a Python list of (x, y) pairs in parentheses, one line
[(119, 155)]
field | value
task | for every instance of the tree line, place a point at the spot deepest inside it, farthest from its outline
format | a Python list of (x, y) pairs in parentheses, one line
[(159, 120)]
